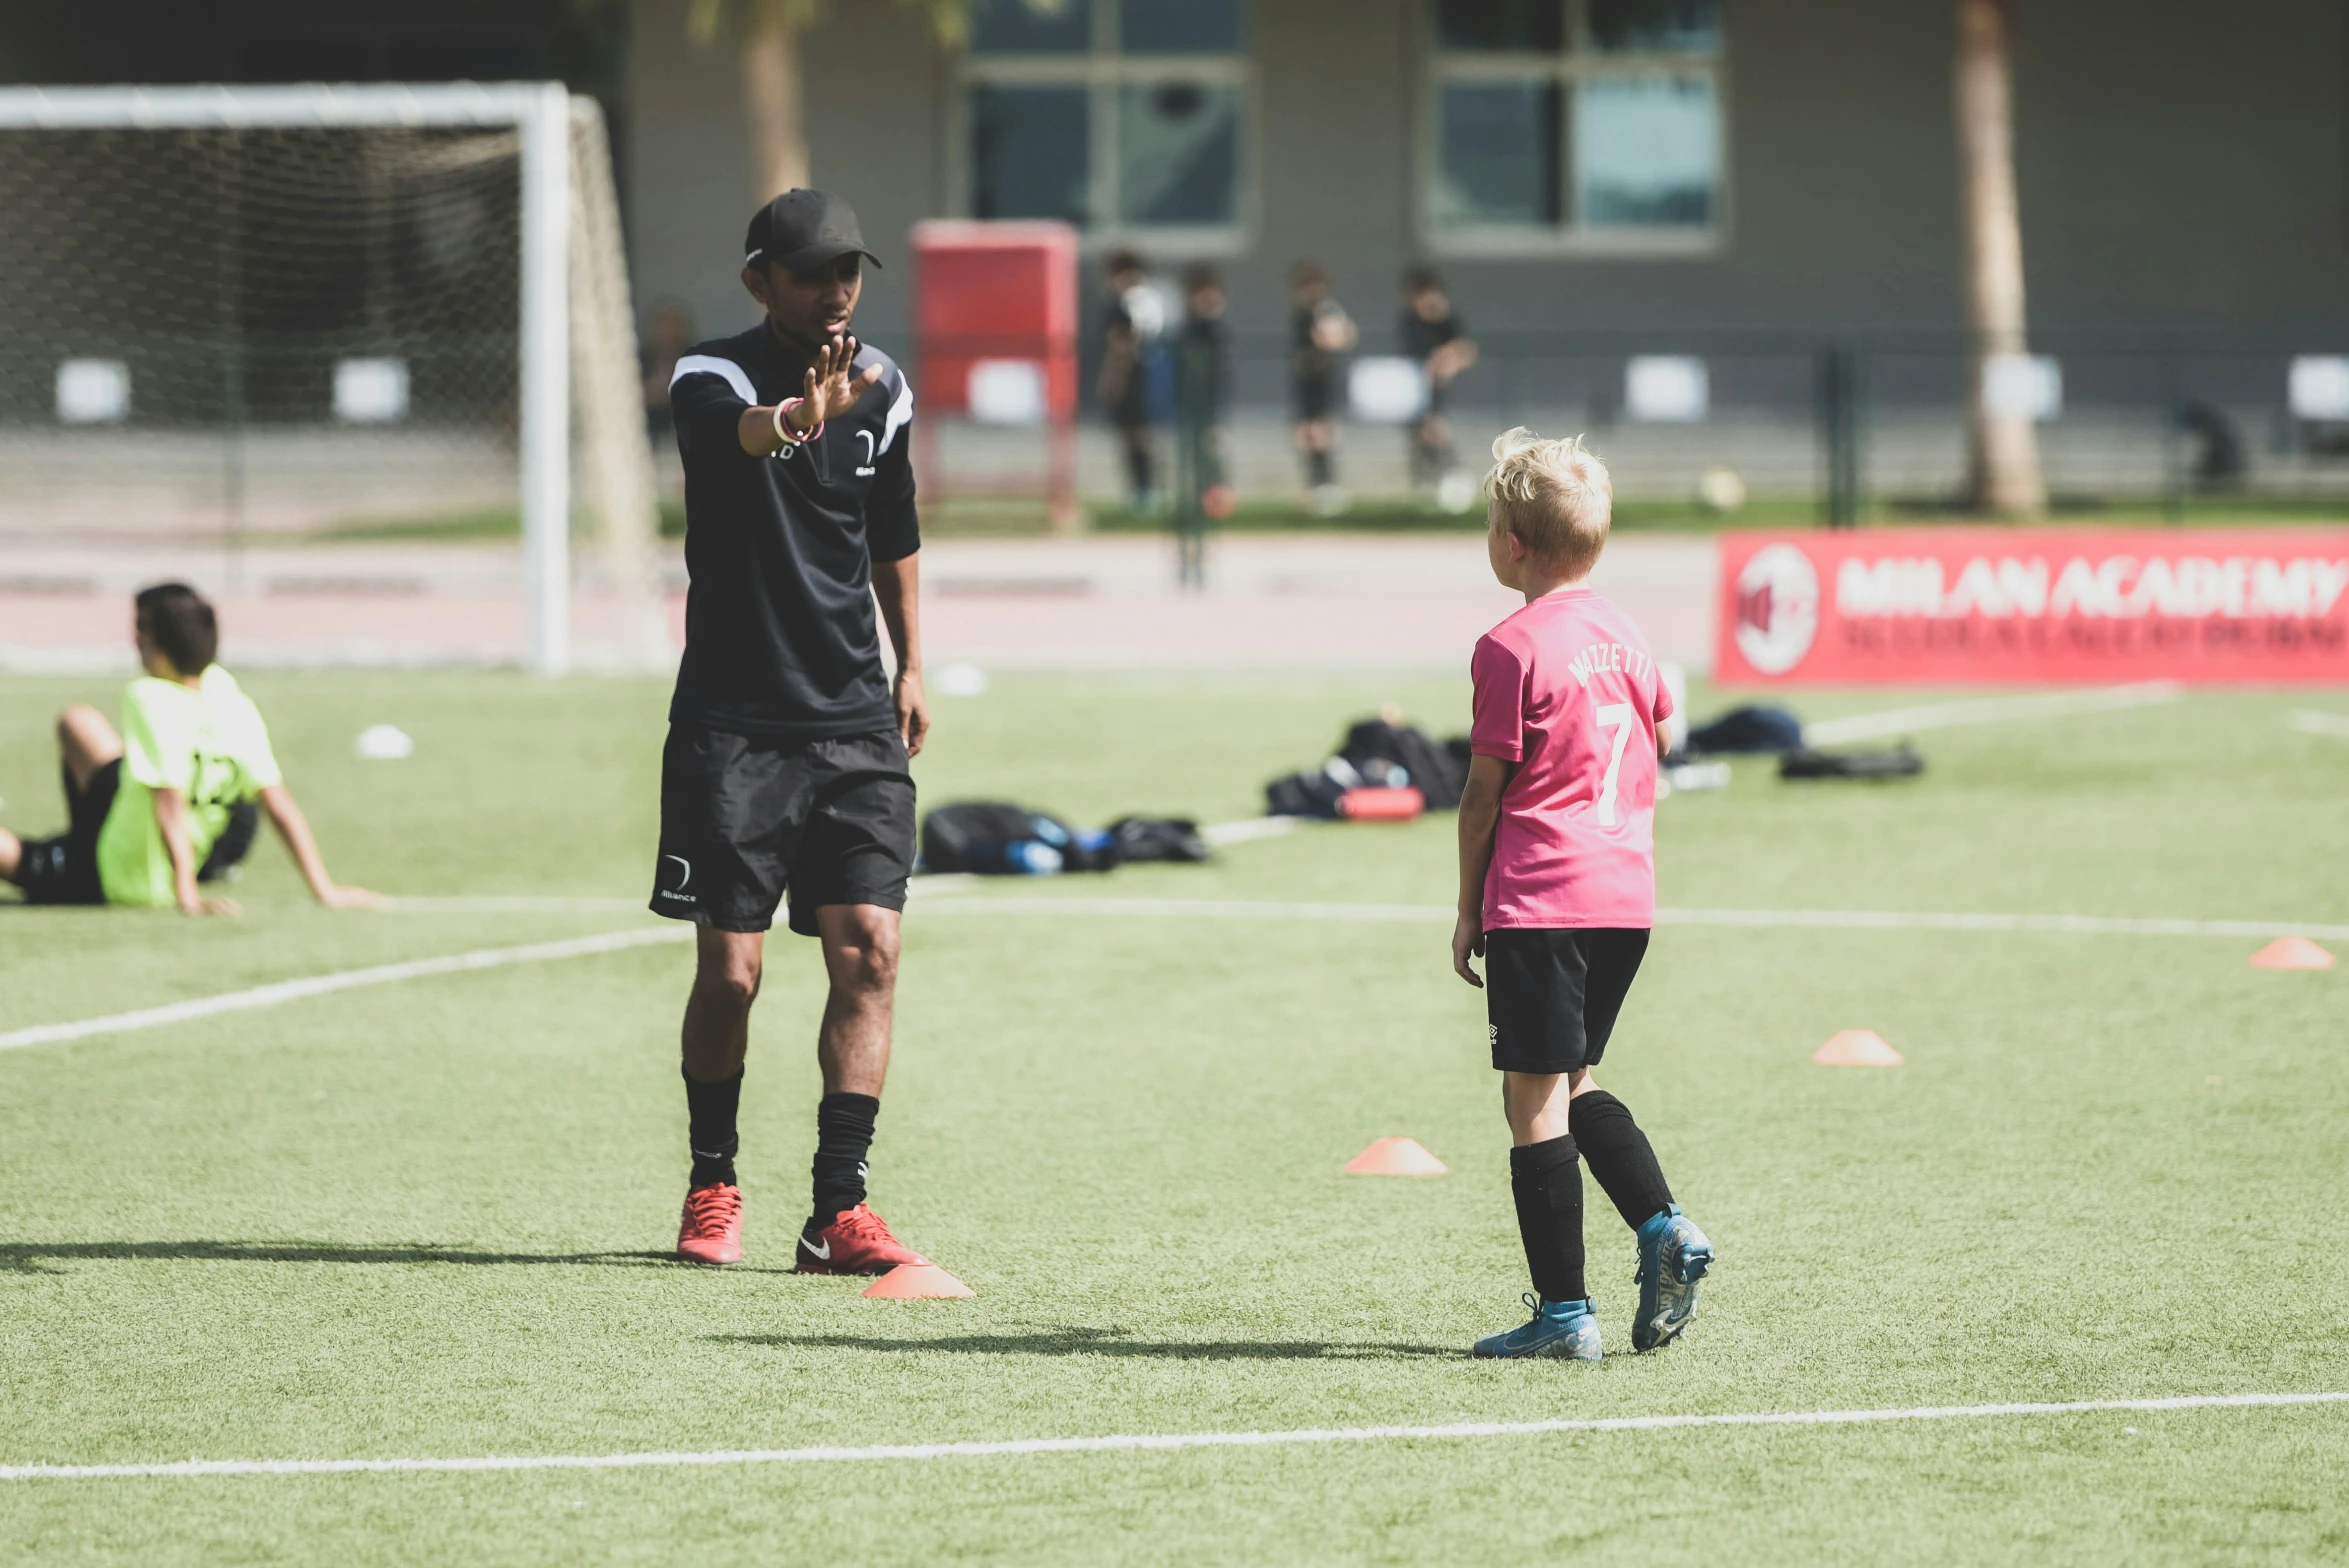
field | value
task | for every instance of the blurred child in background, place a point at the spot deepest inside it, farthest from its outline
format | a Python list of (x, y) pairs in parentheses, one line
[(1432, 333), (1320, 331), (1133, 326)]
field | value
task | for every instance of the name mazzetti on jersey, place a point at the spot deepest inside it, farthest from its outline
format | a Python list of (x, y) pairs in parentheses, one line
[(1600, 657), (2116, 586)]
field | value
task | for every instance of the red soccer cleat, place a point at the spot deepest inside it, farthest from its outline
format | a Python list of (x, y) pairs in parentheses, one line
[(858, 1242), (711, 1231)]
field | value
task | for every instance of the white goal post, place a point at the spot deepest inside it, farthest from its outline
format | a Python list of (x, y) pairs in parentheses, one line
[(574, 363)]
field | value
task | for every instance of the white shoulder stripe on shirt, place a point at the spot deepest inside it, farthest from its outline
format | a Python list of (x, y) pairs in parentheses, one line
[(725, 369), (900, 413)]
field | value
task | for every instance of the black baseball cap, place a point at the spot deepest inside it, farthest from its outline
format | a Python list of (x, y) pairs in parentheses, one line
[(802, 230)]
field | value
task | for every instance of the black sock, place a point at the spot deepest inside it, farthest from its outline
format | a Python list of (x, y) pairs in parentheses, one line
[(844, 1135), (709, 1111), (1619, 1156), (1548, 1186), (1320, 470)]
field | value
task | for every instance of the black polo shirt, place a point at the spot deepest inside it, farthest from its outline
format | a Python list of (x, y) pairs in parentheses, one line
[(780, 632)]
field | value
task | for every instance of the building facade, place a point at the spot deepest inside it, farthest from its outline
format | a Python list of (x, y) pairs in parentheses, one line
[(1573, 165), (1751, 185)]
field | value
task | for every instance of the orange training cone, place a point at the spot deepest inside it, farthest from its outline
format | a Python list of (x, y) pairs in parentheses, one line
[(917, 1282), (2291, 952), (1856, 1048), (1396, 1157)]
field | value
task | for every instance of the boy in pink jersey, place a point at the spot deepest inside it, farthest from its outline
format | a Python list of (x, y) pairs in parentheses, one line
[(1558, 892)]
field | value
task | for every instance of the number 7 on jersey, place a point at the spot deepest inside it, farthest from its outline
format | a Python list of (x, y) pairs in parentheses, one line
[(1622, 719)]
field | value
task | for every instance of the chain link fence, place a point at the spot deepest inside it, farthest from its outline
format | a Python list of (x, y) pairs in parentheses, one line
[(1697, 427)]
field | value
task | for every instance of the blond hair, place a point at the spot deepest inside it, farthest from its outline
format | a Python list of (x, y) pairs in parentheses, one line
[(1554, 495)]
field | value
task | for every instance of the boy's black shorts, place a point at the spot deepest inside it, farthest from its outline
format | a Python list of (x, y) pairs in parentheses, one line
[(1551, 995), (746, 817), (64, 869)]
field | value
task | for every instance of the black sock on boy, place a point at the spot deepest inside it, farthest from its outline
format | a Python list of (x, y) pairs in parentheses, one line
[(710, 1113), (844, 1136), (1547, 1183), (1619, 1156)]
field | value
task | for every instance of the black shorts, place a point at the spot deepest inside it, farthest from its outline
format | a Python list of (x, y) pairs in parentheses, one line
[(1316, 396), (746, 817), (64, 869), (1551, 995)]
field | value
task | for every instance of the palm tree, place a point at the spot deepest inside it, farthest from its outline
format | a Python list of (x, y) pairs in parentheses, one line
[(769, 32), (2003, 445)]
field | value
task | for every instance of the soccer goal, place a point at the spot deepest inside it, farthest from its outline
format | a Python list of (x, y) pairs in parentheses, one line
[(238, 324)]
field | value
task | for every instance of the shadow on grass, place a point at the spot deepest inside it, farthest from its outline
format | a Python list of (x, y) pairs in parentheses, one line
[(28, 1257), (1097, 1342)]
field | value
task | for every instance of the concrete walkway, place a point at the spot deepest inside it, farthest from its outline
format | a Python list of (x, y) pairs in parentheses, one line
[(1272, 602)]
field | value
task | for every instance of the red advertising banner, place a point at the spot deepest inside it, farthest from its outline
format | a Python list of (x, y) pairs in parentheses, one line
[(1992, 606)]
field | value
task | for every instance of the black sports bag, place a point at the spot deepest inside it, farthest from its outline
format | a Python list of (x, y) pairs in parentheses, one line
[(994, 837), (1899, 763), (1377, 748)]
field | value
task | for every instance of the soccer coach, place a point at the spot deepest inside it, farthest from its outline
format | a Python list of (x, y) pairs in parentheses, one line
[(785, 774)]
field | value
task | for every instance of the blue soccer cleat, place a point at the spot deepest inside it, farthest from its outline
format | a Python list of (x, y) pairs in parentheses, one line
[(1565, 1330), (1673, 1256)]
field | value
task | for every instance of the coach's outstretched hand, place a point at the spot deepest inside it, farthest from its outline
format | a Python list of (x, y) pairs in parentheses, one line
[(829, 391)]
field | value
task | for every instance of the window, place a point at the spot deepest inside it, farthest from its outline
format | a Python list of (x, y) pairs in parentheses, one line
[(1575, 124), (1120, 116)]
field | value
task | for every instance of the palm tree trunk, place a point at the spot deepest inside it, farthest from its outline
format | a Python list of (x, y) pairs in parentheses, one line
[(771, 96), (2004, 447)]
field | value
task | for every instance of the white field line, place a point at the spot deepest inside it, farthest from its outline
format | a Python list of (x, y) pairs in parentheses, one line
[(342, 980), (1989, 710), (1918, 920), (1150, 909), (1189, 909), (2308, 721), (564, 904), (1249, 829), (509, 904), (1763, 919), (1142, 1442)]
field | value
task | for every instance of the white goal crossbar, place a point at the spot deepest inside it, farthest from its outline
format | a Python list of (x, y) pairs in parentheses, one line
[(542, 112)]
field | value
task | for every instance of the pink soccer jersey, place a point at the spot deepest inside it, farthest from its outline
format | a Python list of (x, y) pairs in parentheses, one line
[(1567, 690)]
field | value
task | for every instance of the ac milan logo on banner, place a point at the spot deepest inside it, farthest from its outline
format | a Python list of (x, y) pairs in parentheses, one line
[(1777, 608), (2035, 606)]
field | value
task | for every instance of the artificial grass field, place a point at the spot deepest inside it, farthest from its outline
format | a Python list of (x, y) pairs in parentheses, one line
[(429, 1218)]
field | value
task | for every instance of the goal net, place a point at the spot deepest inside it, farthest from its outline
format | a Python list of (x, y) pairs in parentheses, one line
[(361, 361)]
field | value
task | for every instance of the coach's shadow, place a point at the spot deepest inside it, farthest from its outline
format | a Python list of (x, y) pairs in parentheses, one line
[(32, 1256), (1097, 1342)]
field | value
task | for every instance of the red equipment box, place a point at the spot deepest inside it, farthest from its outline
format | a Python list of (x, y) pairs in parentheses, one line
[(995, 291), (995, 326)]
